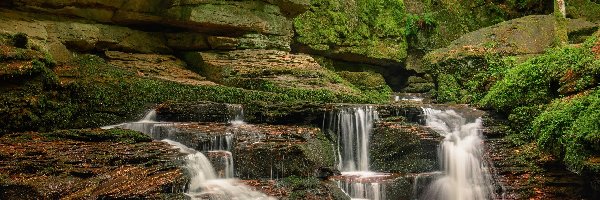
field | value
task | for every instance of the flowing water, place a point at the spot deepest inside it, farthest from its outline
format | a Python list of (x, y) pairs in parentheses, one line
[(352, 127), (465, 175), (205, 181)]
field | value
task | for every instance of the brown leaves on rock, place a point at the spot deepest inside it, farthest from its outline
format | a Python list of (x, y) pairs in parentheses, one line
[(72, 169)]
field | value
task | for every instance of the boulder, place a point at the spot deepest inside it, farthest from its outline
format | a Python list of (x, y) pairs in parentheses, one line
[(403, 148)]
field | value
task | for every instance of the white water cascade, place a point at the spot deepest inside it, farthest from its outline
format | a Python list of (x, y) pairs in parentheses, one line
[(465, 175), (353, 127), (205, 182)]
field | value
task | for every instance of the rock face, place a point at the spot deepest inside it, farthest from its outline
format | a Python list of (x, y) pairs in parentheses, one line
[(267, 70), (88, 164)]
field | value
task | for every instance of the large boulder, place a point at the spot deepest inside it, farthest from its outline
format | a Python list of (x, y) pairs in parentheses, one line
[(466, 68)]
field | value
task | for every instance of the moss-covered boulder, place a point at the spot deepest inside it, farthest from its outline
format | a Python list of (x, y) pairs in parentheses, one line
[(585, 9), (282, 152), (88, 164), (403, 148), (466, 69)]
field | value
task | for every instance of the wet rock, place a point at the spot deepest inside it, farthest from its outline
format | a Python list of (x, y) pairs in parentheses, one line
[(287, 113), (402, 111), (525, 173), (283, 152), (325, 172), (261, 151), (296, 187), (88, 164), (403, 148), (198, 112)]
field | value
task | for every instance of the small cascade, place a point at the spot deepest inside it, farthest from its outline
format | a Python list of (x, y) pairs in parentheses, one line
[(219, 142), (236, 114), (464, 174), (204, 183), (363, 185), (353, 127)]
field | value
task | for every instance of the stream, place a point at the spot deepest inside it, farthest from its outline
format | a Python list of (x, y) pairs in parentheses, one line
[(463, 173)]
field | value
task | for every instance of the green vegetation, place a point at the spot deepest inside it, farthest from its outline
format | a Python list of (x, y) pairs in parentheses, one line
[(568, 129), (467, 80), (587, 9), (371, 84), (552, 103), (373, 28), (539, 80)]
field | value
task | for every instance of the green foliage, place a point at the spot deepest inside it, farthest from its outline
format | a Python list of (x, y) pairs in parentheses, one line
[(540, 79), (568, 129), (300, 186), (468, 80), (374, 28), (416, 23)]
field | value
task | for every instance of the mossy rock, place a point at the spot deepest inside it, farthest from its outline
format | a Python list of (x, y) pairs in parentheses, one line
[(277, 158), (366, 30), (402, 148)]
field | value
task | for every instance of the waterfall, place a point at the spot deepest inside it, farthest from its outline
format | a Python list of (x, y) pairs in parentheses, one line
[(205, 182), (353, 126), (464, 174)]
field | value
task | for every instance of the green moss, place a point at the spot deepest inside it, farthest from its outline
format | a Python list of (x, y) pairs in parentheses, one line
[(568, 129), (587, 9), (540, 79), (467, 80), (366, 27)]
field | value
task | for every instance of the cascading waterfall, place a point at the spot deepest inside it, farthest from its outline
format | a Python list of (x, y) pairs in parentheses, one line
[(464, 174), (353, 127), (205, 182)]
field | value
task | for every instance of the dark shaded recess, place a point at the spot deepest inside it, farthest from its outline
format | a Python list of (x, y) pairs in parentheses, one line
[(5, 3), (18, 192)]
